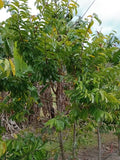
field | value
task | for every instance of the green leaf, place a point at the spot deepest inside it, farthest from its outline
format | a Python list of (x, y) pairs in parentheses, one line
[(92, 96), (96, 98), (58, 124), (102, 95), (108, 117), (12, 67), (3, 148), (90, 24), (20, 65), (51, 123), (7, 67), (1, 4), (96, 17)]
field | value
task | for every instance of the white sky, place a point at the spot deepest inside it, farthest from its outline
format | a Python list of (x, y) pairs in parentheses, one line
[(107, 10)]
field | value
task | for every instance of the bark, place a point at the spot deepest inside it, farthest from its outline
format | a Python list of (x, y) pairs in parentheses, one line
[(61, 103), (61, 99), (119, 144), (46, 99), (74, 139), (61, 145), (99, 144)]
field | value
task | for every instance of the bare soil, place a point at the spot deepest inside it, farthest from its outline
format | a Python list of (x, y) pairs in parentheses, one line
[(109, 150)]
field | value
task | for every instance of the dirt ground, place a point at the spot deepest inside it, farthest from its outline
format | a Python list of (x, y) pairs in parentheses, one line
[(109, 151)]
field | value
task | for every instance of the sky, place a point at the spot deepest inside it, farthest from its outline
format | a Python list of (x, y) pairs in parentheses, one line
[(107, 10)]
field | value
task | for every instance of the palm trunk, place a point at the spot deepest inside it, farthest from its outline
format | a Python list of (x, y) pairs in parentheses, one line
[(61, 145), (99, 144)]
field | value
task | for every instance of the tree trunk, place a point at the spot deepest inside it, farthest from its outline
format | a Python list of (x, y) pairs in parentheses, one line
[(61, 103), (47, 101), (74, 139), (61, 145), (119, 144), (99, 144)]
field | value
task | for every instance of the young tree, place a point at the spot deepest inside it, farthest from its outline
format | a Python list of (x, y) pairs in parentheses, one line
[(49, 49)]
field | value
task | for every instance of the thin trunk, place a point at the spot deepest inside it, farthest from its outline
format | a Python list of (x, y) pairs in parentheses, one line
[(61, 146), (99, 144), (119, 144), (74, 139)]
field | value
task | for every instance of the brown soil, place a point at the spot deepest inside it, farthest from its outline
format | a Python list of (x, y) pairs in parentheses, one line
[(109, 150)]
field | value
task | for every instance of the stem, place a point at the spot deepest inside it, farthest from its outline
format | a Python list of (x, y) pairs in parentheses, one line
[(5, 157), (119, 144), (99, 144), (74, 139), (61, 146)]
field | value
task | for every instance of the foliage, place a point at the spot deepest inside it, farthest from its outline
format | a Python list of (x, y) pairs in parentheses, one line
[(50, 48), (25, 147), (59, 122)]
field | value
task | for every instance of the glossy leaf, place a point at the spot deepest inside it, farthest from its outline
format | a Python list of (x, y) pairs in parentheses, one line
[(1, 4), (3, 148)]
